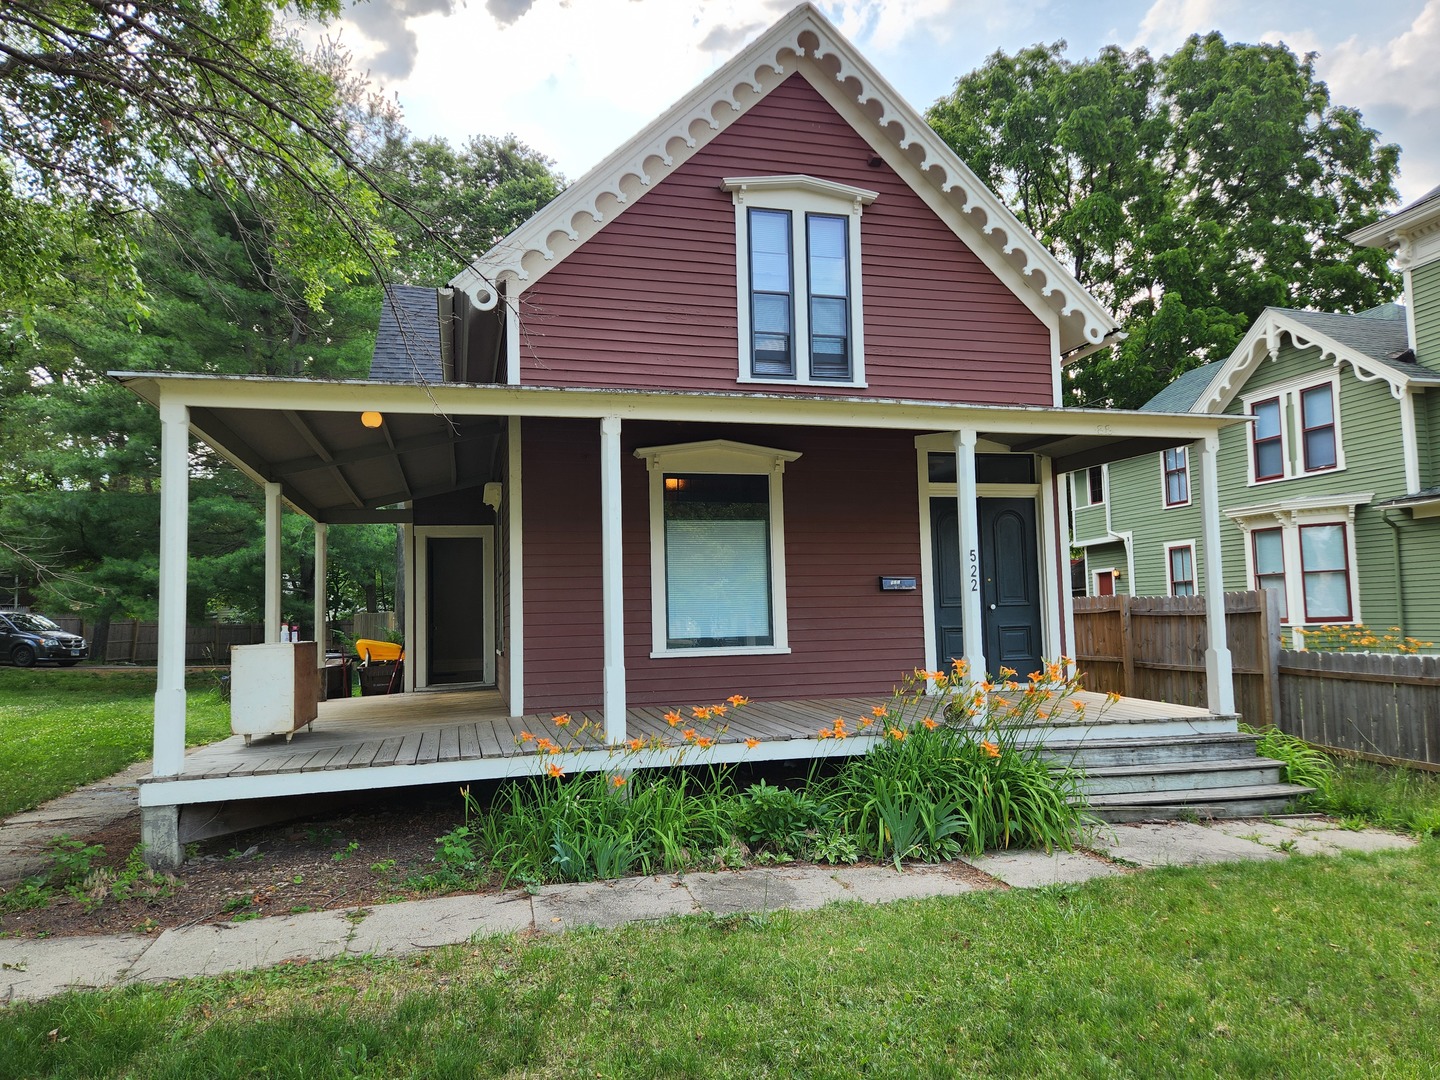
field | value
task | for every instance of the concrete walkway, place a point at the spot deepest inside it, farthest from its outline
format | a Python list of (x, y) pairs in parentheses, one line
[(25, 839), (34, 969)]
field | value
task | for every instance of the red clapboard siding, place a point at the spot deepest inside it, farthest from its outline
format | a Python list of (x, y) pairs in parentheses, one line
[(649, 301), (851, 515)]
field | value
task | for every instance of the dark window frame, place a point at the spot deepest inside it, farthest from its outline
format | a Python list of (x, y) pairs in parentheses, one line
[(1278, 439), (1306, 429), (1170, 552), (1283, 574), (848, 374), (1182, 471), (1349, 615), (790, 356), (1095, 485)]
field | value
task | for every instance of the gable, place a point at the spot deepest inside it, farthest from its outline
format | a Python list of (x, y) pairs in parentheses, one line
[(651, 298), (803, 41)]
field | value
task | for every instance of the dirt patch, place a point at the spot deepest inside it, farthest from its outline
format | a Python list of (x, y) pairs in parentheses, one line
[(350, 858)]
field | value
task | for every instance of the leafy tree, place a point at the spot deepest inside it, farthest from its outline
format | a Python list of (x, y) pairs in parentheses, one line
[(1188, 192)]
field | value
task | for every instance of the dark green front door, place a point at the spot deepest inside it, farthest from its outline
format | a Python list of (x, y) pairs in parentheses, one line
[(1007, 577)]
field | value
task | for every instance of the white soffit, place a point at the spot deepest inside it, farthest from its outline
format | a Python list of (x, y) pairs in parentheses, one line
[(803, 41)]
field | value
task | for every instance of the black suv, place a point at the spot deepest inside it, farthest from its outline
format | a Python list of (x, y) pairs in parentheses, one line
[(27, 639)]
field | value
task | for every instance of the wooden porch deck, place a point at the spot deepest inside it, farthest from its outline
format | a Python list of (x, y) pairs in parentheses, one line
[(464, 735)]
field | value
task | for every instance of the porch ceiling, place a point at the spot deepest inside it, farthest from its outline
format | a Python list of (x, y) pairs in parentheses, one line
[(307, 436), (334, 469)]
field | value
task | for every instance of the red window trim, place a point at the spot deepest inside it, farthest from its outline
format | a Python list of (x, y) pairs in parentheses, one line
[(1349, 615), (1183, 470), (1304, 430), (1278, 438), (1170, 568), (1255, 574)]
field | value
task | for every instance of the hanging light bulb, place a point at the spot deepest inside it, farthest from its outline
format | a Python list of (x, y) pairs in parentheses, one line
[(371, 419)]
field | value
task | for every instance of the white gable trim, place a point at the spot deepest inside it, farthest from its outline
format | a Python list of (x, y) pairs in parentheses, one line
[(803, 40), (1264, 341)]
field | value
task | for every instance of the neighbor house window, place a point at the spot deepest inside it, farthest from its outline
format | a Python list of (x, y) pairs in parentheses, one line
[(1267, 441), (1317, 425), (1095, 484), (798, 275), (1176, 472), (717, 558), (1325, 573), (1180, 559), (1267, 553)]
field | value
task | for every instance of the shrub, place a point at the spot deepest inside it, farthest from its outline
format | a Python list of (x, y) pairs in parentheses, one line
[(1303, 764)]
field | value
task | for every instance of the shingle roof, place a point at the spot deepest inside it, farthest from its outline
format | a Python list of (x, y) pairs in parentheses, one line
[(1424, 495), (1184, 391), (1378, 333), (407, 342)]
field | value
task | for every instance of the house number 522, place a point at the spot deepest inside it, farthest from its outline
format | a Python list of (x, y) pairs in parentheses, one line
[(974, 571)]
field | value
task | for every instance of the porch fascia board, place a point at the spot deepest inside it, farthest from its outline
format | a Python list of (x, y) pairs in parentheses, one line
[(248, 392)]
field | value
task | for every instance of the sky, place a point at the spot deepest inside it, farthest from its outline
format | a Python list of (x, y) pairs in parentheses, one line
[(575, 78)]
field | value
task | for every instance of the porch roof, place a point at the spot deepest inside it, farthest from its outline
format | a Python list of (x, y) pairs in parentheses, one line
[(306, 435)]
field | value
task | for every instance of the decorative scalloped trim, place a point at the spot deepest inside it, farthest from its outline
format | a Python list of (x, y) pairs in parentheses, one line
[(673, 139)]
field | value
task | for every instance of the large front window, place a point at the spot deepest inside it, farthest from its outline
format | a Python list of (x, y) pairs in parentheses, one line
[(717, 561), (1325, 573), (717, 548)]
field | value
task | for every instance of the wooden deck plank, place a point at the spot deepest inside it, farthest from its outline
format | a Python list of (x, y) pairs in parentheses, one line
[(449, 743), (494, 738), (409, 749), (363, 756), (429, 749), (389, 750), (469, 742)]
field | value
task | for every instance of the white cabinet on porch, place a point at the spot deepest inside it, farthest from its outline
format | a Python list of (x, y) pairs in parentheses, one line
[(274, 688)]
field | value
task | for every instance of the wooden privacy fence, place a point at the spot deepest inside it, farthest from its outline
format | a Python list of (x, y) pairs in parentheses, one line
[(134, 642), (1381, 705), (1154, 647)]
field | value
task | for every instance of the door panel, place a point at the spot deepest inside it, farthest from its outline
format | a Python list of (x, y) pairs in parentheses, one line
[(455, 595), (1009, 582)]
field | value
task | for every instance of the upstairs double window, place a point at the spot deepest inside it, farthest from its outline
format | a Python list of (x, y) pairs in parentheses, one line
[(1296, 431), (798, 277)]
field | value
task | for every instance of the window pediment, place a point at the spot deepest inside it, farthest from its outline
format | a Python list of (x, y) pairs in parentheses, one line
[(716, 456)]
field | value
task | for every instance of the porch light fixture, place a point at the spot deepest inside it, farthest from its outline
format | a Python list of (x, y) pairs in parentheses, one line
[(371, 419)]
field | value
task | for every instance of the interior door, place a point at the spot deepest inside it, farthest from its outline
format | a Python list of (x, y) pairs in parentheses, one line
[(454, 610), (1009, 583)]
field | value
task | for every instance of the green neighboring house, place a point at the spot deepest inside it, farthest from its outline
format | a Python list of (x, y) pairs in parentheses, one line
[(1332, 494)]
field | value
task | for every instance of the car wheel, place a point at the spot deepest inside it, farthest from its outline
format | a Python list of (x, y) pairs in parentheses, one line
[(23, 656), (67, 663)]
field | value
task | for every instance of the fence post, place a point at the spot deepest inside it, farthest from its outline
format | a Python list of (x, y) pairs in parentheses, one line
[(1127, 647), (1270, 622)]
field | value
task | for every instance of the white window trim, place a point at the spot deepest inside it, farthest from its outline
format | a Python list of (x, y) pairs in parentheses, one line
[(1292, 451), (1288, 517), (724, 457), (1165, 504), (1082, 486), (800, 195), (1169, 568)]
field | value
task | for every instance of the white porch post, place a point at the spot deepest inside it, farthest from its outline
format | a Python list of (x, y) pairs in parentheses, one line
[(322, 612), (174, 569), (968, 517), (272, 562), (1219, 672), (612, 580), (515, 571)]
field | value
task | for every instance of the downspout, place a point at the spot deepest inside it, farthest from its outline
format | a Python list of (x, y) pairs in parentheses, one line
[(1395, 566)]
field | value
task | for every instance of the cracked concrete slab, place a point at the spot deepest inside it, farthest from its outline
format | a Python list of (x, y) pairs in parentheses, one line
[(1035, 869), (1176, 843), (243, 946), (882, 885), (397, 929), (1299, 837), (608, 904), (40, 968), (750, 891)]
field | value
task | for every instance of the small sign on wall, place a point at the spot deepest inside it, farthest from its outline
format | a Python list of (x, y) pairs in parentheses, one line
[(897, 584)]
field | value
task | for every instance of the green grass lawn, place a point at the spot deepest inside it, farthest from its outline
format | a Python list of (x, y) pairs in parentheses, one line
[(1311, 967), (60, 729)]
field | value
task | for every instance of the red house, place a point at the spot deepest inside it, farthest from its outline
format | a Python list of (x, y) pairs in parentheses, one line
[(769, 403)]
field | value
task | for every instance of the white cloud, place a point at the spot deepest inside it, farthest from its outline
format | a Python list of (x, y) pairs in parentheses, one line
[(1400, 72), (1167, 23)]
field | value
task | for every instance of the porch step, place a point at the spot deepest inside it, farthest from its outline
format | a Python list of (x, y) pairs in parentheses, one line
[(1173, 776), (1205, 775), (1092, 754), (1255, 800)]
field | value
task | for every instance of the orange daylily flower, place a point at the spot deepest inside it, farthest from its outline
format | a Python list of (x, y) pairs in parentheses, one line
[(636, 743), (700, 712), (718, 710), (525, 736), (866, 721), (879, 711), (1111, 698), (930, 723), (737, 700), (553, 750), (672, 718), (990, 748), (688, 733), (897, 734), (826, 733), (704, 742), (561, 720), (618, 781), (752, 743), (555, 770)]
